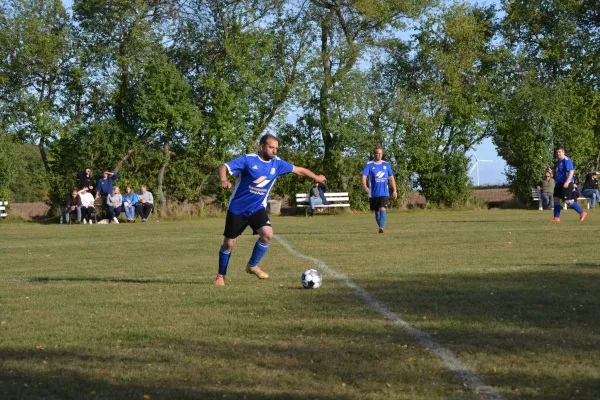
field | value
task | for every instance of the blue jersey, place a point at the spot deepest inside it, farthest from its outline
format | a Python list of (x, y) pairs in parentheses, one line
[(255, 180), (562, 170), (377, 178)]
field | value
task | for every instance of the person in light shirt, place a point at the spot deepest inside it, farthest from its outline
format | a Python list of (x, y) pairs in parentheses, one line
[(87, 205)]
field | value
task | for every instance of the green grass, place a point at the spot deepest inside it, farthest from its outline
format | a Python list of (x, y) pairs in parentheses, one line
[(127, 311)]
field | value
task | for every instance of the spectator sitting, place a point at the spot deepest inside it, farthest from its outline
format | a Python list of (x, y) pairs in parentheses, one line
[(114, 202), (85, 180), (105, 186), (87, 205), (316, 196), (130, 200), (546, 188), (590, 188), (576, 192), (145, 203), (73, 203)]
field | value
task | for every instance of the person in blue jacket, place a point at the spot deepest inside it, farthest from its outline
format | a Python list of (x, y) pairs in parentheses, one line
[(130, 199), (104, 187)]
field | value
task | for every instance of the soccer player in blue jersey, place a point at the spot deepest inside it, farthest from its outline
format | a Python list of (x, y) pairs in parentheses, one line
[(257, 173), (375, 178), (564, 185)]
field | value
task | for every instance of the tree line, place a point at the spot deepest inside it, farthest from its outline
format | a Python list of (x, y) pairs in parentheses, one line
[(163, 91)]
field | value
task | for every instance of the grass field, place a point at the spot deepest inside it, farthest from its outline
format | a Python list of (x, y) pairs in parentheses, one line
[(130, 312)]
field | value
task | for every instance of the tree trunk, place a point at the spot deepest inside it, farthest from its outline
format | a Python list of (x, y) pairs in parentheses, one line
[(161, 174), (42, 147), (126, 157)]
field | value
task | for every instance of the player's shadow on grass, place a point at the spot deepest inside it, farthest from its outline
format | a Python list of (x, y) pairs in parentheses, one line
[(67, 384), (47, 279), (542, 299)]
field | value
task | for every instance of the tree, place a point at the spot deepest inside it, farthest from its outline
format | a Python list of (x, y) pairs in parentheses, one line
[(164, 107), (345, 31), (35, 43), (432, 101)]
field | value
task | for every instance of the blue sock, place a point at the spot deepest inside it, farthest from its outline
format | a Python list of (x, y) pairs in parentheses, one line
[(260, 249), (557, 210), (577, 207), (378, 218), (382, 218), (223, 260)]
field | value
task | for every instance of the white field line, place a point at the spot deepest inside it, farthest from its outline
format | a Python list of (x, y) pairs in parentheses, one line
[(466, 377)]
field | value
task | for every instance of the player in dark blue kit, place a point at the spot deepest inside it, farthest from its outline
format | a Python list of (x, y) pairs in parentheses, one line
[(257, 173), (375, 178), (564, 186)]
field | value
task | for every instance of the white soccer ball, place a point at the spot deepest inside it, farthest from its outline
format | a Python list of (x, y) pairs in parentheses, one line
[(311, 279)]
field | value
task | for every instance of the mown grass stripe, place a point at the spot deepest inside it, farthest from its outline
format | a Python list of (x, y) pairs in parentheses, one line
[(465, 376)]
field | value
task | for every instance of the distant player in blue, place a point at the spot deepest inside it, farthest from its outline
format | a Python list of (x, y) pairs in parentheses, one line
[(375, 178), (564, 186), (257, 173)]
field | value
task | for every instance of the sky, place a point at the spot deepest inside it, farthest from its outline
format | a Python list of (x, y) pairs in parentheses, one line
[(490, 173)]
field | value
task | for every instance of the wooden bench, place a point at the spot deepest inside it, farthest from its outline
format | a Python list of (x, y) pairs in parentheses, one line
[(337, 200), (537, 196), (3, 205)]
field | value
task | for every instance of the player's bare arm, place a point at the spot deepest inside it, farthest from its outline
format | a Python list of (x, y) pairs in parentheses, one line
[(393, 183), (309, 174), (225, 184), (364, 184)]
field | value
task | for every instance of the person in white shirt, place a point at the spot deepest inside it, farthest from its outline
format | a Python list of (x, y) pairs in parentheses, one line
[(87, 205)]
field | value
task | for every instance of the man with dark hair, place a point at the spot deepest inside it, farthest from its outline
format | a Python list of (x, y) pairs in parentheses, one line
[(564, 185), (145, 203), (257, 173), (105, 187), (85, 179), (316, 196), (590, 188), (375, 177), (73, 203)]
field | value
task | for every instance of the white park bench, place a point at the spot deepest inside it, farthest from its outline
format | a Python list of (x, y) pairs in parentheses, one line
[(3, 205), (337, 200), (537, 196)]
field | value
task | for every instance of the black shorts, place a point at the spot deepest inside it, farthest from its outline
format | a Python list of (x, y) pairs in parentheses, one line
[(236, 224), (562, 192), (376, 203)]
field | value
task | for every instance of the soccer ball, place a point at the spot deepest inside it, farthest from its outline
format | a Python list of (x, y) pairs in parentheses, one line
[(311, 279)]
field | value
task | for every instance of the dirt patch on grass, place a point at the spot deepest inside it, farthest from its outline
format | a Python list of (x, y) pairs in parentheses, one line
[(492, 197), (29, 210)]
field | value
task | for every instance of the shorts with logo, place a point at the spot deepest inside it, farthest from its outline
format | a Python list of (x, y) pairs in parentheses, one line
[(563, 193), (236, 224), (376, 203)]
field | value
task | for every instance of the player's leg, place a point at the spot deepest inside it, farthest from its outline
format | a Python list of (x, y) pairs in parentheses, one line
[(558, 196), (573, 203), (260, 224), (374, 206), (383, 204), (234, 226)]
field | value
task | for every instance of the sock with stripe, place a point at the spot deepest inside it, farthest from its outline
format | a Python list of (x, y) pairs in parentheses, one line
[(260, 249), (224, 256)]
